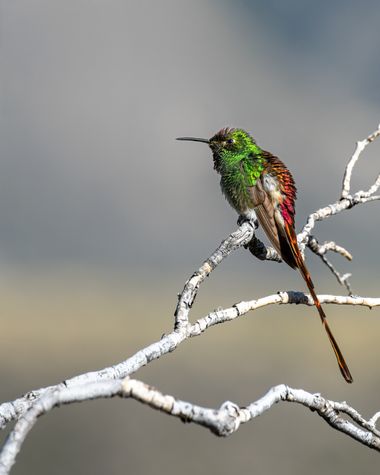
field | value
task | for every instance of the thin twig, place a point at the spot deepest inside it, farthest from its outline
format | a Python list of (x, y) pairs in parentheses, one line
[(321, 250), (360, 146)]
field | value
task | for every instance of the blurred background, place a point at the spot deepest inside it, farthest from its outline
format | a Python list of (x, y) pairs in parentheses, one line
[(104, 216)]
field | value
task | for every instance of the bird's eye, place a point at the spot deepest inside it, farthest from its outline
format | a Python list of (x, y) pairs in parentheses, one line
[(231, 141)]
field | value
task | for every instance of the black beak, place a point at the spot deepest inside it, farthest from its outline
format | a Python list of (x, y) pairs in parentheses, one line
[(194, 139)]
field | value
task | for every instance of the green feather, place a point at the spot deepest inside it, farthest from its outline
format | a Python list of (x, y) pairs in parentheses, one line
[(240, 163)]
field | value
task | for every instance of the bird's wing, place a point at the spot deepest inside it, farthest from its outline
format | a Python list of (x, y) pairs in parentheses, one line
[(265, 213), (272, 225)]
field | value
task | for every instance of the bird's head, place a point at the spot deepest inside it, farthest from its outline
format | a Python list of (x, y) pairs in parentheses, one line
[(229, 144)]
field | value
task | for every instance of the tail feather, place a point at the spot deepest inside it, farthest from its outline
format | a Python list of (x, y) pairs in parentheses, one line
[(292, 240)]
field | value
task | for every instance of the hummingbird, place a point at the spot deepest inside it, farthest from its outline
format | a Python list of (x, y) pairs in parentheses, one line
[(258, 184)]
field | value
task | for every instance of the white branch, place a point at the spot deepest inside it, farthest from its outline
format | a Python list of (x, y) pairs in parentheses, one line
[(241, 237), (360, 146), (10, 411), (321, 250), (289, 297), (346, 200), (222, 422)]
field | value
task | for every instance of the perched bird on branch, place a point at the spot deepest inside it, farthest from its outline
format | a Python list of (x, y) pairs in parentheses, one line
[(256, 183)]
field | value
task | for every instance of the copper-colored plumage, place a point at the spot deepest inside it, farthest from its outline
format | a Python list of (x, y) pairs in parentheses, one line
[(281, 232)]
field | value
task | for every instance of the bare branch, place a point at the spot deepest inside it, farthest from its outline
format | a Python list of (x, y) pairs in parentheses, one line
[(342, 279), (321, 250), (374, 419), (241, 237), (346, 200), (14, 410), (289, 297), (52, 397), (222, 422), (371, 190), (331, 210), (360, 146)]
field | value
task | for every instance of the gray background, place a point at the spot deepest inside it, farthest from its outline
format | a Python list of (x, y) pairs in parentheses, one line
[(103, 215)]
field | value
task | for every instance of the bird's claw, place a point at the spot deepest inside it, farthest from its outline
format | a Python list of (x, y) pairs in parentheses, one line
[(251, 220)]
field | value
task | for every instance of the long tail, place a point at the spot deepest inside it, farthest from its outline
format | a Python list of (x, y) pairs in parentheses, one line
[(292, 240)]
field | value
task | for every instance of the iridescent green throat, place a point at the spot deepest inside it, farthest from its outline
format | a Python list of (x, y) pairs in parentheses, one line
[(245, 166), (239, 171)]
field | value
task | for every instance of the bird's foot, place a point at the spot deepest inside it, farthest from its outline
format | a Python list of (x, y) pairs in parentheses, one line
[(251, 219)]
